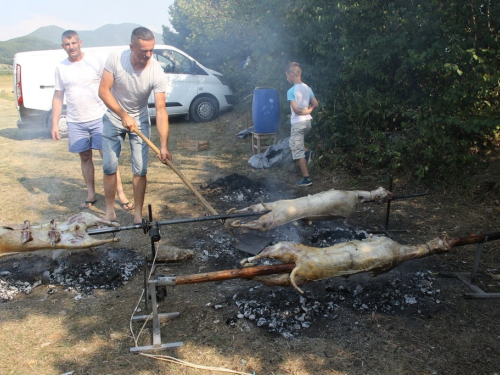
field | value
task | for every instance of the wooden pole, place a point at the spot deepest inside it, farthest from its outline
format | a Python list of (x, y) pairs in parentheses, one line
[(179, 173), (454, 242), (243, 273)]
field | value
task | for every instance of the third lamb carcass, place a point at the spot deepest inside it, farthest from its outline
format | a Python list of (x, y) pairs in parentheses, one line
[(70, 234), (322, 206)]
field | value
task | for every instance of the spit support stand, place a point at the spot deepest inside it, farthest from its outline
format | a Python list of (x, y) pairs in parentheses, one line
[(156, 317), (386, 231), (470, 279)]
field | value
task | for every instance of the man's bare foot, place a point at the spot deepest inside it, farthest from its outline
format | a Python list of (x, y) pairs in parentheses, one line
[(111, 217), (137, 219)]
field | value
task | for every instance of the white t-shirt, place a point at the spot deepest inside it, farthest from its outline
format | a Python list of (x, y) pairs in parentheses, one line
[(80, 82), (131, 88), (302, 95)]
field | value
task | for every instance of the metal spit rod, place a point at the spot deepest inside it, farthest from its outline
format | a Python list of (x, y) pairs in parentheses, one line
[(408, 196), (146, 225)]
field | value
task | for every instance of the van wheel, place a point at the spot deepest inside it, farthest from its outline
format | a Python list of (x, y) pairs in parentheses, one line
[(203, 109), (63, 125)]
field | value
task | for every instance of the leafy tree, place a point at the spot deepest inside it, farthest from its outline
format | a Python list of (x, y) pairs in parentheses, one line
[(419, 88)]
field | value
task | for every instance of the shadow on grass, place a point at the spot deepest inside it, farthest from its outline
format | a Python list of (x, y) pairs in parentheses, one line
[(16, 134), (57, 189)]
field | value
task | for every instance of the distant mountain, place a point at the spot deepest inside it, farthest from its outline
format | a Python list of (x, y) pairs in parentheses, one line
[(49, 33), (49, 37), (107, 35), (25, 43)]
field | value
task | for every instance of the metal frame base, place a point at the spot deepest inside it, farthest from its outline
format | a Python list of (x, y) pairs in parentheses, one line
[(140, 349), (155, 317), (157, 345), (469, 280), (478, 292)]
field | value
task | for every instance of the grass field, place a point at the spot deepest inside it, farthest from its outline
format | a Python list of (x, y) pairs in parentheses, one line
[(6, 87), (5, 69)]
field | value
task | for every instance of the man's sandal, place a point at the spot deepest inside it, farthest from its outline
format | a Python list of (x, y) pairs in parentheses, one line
[(127, 206), (87, 204)]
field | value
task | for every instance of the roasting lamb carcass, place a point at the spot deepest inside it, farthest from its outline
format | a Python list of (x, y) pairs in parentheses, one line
[(70, 234), (377, 254), (322, 206)]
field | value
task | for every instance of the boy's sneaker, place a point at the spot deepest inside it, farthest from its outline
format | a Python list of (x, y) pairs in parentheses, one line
[(306, 181), (309, 156)]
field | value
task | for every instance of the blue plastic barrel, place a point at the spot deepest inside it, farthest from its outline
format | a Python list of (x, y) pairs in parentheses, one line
[(265, 110)]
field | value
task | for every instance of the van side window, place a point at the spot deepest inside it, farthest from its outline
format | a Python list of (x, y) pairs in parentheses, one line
[(174, 62)]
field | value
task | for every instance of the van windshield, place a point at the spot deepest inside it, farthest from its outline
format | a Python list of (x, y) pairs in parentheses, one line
[(173, 62)]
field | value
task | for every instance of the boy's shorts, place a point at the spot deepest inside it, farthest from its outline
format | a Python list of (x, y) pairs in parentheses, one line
[(299, 130), (112, 141), (83, 136)]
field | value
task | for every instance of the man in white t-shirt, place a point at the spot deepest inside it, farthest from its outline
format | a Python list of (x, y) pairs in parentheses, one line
[(128, 79), (77, 78)]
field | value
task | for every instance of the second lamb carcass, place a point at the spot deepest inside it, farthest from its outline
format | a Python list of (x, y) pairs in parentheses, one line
[(322, 206), (70, 234), (378, 255)]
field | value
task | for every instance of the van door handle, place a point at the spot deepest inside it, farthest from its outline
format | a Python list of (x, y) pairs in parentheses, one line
[(46, 86)]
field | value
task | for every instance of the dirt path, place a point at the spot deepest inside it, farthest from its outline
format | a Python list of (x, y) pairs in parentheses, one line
[(409, 321)]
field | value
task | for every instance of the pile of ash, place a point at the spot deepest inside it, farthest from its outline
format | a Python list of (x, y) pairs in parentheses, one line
[(10, 288), (81, 271), (286, 312), (101, 274), (320, 233), (235, 188)]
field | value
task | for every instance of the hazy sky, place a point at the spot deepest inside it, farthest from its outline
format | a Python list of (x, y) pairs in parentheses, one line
[(21, 17)]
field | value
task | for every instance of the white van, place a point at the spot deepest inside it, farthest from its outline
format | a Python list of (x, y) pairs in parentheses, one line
[(192, 89)]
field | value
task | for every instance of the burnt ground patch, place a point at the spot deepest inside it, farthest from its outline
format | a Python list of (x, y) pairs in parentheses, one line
[(234, 188), (285, 312), (81, 271)]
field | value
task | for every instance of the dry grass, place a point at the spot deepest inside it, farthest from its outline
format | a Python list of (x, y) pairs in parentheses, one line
[(6, 87)]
